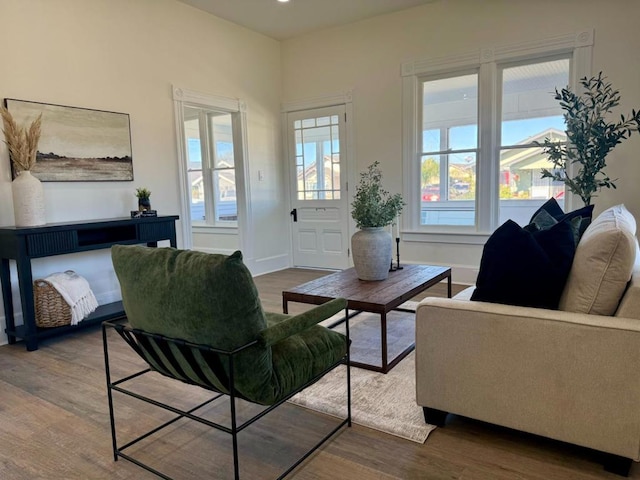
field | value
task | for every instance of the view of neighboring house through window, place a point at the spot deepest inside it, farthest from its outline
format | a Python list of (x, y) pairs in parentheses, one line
[(211, 167), (529, 114), (451, 157), (449, 150)]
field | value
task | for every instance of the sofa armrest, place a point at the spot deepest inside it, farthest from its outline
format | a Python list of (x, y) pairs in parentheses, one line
[(569, 376), (530, 313), (295, 324)]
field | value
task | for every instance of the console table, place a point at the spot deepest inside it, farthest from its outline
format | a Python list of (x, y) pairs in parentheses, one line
[(24, 243)]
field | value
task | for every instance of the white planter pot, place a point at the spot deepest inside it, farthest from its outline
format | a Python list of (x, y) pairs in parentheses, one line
[(28, 200), (371, 249)]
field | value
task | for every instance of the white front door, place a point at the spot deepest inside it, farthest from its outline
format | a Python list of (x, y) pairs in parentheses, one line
[(318, 178)]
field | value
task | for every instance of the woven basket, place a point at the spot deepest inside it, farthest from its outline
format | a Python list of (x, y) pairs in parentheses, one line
[(51, 309)]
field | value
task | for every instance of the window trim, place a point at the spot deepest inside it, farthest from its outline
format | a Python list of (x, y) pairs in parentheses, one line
[(487, 61)]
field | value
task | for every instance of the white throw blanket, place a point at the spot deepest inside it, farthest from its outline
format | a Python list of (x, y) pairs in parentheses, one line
[(76, 292)]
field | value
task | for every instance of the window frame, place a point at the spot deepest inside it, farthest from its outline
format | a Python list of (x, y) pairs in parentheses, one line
[(488, 62), (183, 97)]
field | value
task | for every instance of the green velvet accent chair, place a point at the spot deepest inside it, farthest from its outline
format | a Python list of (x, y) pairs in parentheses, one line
[(197, 318)]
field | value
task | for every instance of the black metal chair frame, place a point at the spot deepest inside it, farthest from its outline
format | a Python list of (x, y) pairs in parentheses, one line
[(129, 335)]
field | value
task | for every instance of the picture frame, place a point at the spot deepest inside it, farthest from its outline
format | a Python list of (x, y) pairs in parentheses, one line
[(77, 144)]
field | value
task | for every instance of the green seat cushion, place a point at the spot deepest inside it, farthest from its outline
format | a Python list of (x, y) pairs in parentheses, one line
[(301, 357)]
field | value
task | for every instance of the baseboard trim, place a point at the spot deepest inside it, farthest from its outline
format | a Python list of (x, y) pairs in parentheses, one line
[(275, 263)]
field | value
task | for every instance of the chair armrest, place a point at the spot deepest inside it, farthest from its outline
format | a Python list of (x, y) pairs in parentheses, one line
[(298, 323)]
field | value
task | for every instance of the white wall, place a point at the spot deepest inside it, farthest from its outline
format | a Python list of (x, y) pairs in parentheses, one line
[(124, 56), (366, 57)]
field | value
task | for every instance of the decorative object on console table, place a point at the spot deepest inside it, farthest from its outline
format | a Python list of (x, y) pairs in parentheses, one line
[(27, 191), (373, 209), (143, 213), (78, 144), (144, 198), (590, 137)]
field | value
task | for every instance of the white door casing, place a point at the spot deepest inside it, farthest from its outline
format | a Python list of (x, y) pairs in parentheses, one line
[(319, 203)]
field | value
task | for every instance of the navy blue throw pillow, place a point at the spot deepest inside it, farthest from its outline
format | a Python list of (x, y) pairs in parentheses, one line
[(520, 267)]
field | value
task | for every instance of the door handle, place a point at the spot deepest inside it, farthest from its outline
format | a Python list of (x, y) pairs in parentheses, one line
[(294, 214)]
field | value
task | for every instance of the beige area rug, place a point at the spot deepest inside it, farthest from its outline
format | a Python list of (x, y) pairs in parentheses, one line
[(384, 402)]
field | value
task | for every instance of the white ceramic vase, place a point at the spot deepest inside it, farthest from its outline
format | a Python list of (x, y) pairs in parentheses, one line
[(371, 249), (28, 200)]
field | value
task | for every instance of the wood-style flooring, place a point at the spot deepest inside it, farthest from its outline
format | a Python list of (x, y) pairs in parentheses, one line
[(54, 424)]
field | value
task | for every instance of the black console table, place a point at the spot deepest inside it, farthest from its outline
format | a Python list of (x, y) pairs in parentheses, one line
[(24, 243)]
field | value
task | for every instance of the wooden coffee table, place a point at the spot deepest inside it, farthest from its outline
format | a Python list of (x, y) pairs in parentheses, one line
[(379, 297)]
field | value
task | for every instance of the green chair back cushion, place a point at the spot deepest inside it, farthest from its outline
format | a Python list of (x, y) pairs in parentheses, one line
[(212, 300), (203, 298), (195, 296)]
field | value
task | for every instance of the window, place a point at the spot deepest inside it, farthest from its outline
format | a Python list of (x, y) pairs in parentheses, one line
[(449, 150), (529, 114), (471, 122), (211, 166)]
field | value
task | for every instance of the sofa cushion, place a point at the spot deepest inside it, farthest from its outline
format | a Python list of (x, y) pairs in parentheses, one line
[(525, 268), (602, 265)]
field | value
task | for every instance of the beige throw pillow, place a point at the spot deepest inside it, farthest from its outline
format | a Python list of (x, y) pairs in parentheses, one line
[(602, 264)]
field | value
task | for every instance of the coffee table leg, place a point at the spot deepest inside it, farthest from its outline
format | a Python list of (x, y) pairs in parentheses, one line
[(285, 305), (449, 285), (383, 336)]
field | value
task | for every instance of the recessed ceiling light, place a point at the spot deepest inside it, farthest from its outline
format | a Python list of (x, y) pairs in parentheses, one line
[(283, 1)]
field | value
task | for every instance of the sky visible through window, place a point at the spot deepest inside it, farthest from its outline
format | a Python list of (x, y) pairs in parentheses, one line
[(195, 153)]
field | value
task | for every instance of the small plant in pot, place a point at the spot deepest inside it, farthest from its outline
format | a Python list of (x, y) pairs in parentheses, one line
[(373, 208), (144, 199), (590, 137)]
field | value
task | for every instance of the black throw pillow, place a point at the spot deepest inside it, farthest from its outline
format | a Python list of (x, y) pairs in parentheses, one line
[(520, 267), (551, 207)]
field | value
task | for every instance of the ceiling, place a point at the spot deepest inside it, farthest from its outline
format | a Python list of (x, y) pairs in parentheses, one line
[(296, 17)]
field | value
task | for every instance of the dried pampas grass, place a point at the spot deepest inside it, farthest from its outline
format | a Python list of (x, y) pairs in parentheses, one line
[(22, 142)]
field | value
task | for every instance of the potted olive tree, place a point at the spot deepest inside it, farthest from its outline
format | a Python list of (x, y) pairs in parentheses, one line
[(373, 208), (590, 137)]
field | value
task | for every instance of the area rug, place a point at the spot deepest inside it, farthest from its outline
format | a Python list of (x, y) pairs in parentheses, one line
[(384, 402)]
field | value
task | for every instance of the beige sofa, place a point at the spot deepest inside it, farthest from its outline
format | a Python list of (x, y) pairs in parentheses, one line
[(571, 374)]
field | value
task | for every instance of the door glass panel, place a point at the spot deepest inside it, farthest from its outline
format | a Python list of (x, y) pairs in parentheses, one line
[(317, 147)]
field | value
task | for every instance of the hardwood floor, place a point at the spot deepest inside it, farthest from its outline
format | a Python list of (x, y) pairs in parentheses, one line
[(54, 424)]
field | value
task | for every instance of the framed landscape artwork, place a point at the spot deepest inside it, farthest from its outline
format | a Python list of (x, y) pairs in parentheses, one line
[(77, 144)]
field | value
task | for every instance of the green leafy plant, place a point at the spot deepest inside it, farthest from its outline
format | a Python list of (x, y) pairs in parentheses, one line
[(143, 193), (372, 205), (590, 136)]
